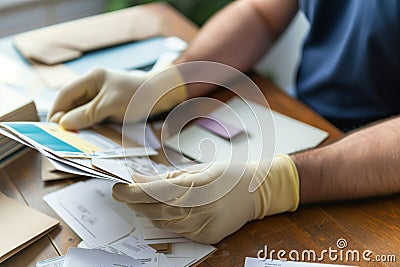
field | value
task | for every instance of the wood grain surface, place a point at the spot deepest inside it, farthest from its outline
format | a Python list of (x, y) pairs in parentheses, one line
[(369, 224)]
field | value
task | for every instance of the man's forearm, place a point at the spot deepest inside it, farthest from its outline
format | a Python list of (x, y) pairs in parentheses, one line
[(363, 164), (239, 35)]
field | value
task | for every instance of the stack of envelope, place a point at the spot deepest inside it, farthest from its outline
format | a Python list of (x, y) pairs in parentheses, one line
[(85, 152), (14, 106)]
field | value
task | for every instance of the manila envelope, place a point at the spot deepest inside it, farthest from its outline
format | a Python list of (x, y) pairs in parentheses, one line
[(20, 226), (47, 48)]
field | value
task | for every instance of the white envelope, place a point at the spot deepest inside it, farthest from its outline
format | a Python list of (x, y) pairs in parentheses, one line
[(82, 208)]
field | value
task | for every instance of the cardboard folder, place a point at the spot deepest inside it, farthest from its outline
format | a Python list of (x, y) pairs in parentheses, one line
[(20, 226), (47, 49)]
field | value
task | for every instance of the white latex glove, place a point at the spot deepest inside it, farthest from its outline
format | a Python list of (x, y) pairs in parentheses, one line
[(211, 222), (104, 94)]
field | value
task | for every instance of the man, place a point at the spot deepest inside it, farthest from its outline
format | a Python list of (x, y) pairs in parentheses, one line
[(348, 74)]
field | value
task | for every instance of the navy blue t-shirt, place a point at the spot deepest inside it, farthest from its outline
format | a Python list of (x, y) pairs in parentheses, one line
[(350, 69)]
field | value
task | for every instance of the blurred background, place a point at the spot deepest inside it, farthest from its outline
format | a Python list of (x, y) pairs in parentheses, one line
[(280, 64)]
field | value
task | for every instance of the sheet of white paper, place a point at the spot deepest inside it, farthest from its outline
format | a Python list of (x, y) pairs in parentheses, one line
[(290, 135), (97, 194), (83, 244), (141, 134), (137, 233), (164, 240), (183, 261), (114, 166), (159, 236), (255, 262), (152, 259), (151, 232), (119, 167), (126, 152), (53, 262), (164, 261), (132, 247), (81, 206), (186, 254), (189, 250), (97, 258)]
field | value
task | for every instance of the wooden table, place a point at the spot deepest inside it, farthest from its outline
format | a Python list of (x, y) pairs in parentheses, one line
[(369, 224)]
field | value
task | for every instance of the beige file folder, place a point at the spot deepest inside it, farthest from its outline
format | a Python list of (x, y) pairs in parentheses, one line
[(20, 226)]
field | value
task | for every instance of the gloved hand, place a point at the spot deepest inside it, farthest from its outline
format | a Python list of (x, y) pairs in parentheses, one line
[(103, 94), (209, 223)]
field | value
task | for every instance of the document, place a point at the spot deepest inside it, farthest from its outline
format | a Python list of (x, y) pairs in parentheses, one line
[(145, 258), (255, 262), (150, 232), (53, 262), (89, 209), (124, 168), (130, 246), (189, 253), (127, 247), (81, 206), (97, 258), (186, 253), (132, 243)]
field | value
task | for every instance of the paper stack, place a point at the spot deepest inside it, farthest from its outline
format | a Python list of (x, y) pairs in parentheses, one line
[(128, 252), (75, 151), (14, 107), (88, 208)]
